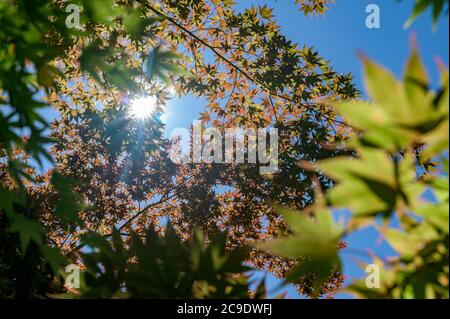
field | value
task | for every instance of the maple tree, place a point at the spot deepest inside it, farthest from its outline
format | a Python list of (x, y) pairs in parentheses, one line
[(112, 183)]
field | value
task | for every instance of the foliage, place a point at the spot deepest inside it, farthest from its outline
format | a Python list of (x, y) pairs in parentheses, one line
[(111, 181), (314, 246), (155, 267), (111, 170), (121, 181), (403, 129), (25, 273), (309, 7)]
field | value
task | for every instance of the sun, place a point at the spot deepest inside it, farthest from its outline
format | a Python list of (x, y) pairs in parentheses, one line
[(143, 107)]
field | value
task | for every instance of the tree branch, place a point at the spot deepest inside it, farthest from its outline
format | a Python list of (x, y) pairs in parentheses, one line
[(231, 64)]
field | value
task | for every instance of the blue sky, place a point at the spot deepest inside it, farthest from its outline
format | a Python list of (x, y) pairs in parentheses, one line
[(337, 37)]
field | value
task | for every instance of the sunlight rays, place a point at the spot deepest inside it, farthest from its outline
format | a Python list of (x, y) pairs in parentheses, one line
[(143, 107)]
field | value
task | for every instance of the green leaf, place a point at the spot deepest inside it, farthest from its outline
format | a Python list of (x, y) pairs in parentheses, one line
[(416, 87), (46, 75), (29, 230), (383, 88), (135, 25), (438, 215), (314, 244), (103, 12), (320, 268), (160, 63), (360, 179), (419, 7), (69, 203), (266, 12), (7, 200), (54, 258)]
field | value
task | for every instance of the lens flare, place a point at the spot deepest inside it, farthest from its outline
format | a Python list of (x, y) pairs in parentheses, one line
[(143, 107)]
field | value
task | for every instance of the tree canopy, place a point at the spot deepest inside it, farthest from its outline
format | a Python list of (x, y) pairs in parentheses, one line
[(112, 187)]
